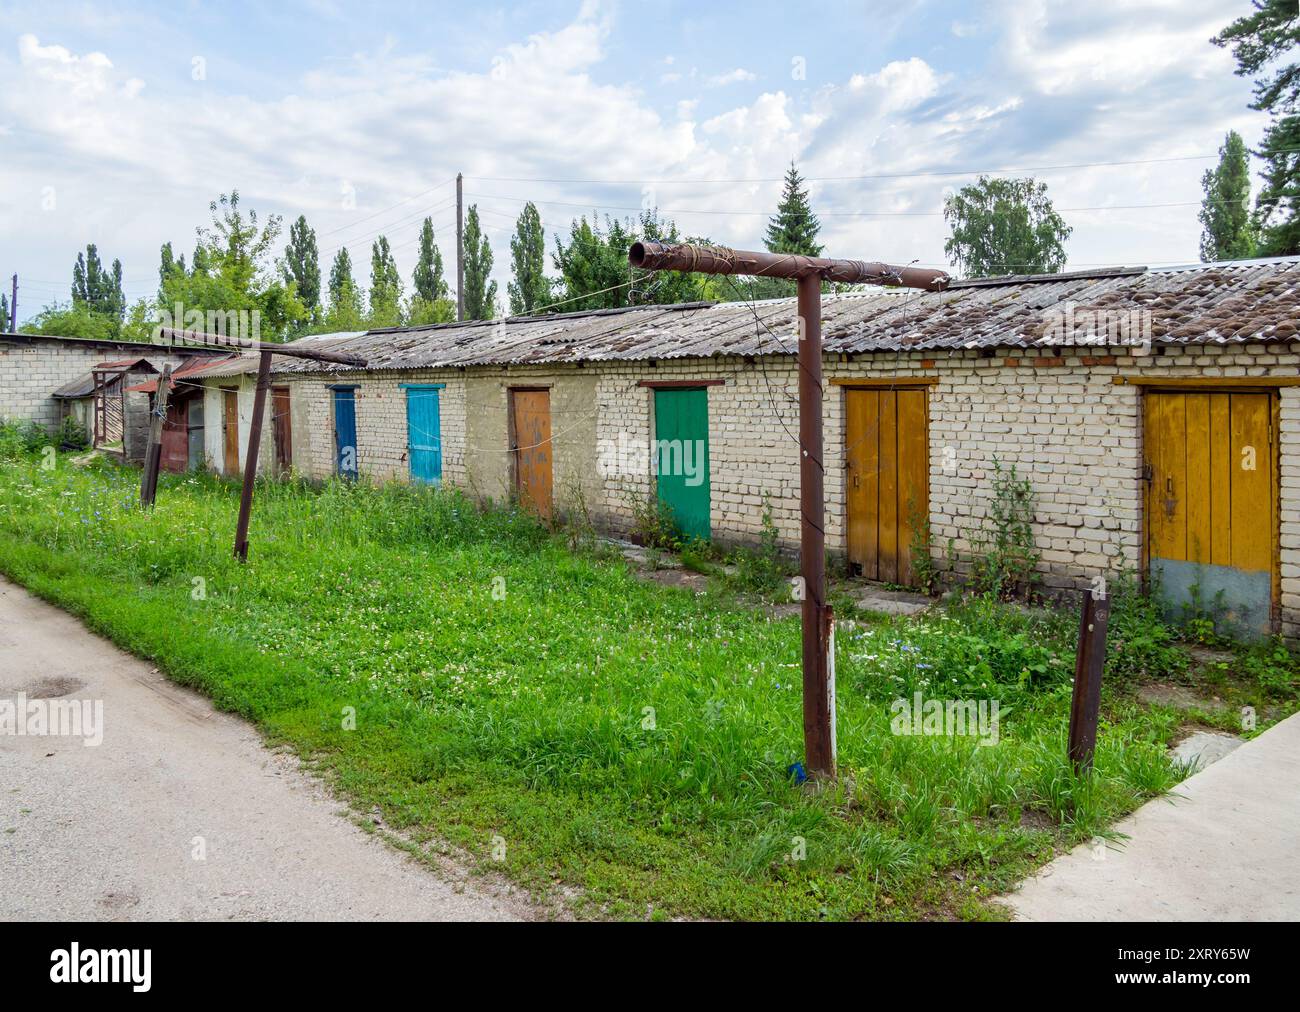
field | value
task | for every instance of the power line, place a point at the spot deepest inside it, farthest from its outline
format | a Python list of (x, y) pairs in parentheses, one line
[(877, 175)]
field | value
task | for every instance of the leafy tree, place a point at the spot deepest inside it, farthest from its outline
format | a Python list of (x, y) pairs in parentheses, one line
[(168, 265), (480, 292), (346, 311), (97, 289), (1005, 226), (430, 285), (4, 312), (232, 272), (74, 319), (385, 286), (1262, 42), (794, 229), (1229, 232), (594, 272), (302, 265), (530, 288), (430, 301)]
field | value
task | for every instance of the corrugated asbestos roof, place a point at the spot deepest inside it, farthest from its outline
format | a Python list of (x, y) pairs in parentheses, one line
[(1227, 303)]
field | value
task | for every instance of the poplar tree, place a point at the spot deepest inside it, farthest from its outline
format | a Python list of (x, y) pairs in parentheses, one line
[(530, 289), (480, 291), (1228, 230)]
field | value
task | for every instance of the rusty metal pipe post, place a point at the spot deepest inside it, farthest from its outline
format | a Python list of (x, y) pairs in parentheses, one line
[(1089, 662), (250, 456), (809, 272), (817, 718)]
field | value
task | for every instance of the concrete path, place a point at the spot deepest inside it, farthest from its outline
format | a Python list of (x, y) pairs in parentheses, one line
[(115, 831), (1226, 847)]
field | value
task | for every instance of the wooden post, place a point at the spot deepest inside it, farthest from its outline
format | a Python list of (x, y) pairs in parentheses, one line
[(819, 746), (1089, 662), (460, 252), (250, 456), (153, 452), (13, 308)]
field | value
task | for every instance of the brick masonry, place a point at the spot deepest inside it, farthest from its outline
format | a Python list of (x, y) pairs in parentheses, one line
[(1061, 419)]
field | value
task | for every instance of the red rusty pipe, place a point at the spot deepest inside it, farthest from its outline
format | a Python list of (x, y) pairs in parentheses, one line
[(658, 256)]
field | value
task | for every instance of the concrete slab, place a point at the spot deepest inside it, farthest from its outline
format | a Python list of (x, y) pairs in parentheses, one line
[(893, 602), (1204, 748), (1225, 846)]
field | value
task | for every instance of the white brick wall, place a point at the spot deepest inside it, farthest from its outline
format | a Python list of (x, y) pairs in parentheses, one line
[(1060, 419)]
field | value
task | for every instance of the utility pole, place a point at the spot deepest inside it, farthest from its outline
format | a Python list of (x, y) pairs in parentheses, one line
[(809, 272), (460, 251), (13, 308)]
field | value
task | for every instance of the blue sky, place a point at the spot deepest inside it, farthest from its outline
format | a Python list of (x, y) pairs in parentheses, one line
[(119, 122)]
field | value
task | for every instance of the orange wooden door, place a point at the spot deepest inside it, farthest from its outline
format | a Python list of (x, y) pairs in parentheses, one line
[(230, 429), (887, 477), (531, 429), (1211, 497), (280, 428)]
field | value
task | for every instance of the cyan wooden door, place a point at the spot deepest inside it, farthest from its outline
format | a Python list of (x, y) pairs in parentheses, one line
[(682, 457), (424, 433)]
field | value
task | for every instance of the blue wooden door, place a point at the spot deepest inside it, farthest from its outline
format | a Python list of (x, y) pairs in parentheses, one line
[(345, 432), (424, 433)]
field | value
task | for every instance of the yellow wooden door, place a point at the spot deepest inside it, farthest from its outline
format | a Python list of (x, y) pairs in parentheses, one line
[(887, 477), (1210, 504)]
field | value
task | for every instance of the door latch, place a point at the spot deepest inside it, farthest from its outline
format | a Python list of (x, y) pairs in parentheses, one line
[(1171, 504)]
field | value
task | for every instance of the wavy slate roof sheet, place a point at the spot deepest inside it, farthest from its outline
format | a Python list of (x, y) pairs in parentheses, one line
[(1225, 303)]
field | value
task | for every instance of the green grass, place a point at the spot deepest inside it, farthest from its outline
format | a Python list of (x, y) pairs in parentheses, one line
[(529, 717)]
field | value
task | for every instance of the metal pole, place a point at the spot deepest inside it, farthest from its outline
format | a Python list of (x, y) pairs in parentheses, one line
[(818, 747), (460, 252), (250, 457), (818, 622), (1089, 662), (153, 452), (13, 308)]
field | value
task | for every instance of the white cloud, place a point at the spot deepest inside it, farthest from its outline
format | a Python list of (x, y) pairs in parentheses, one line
[(134, 166), (737, 76)]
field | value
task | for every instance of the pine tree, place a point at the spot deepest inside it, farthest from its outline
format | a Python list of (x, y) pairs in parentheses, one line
[(1261, 42), (302, 265), (480, 291), (430, 285), (5, 323), (1229, 233), (794, 228), (385, 286), (530, 289)]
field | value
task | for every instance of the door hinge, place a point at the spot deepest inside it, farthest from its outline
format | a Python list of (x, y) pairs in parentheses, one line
[(1148, 472)]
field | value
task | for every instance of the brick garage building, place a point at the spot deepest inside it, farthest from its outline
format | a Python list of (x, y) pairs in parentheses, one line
[(36, 367), (1155, 413)]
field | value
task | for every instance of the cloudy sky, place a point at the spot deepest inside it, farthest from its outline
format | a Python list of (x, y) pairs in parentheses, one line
[(119, 122)]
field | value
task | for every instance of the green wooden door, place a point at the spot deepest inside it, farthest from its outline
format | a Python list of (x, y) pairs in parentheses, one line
[(682, 457)]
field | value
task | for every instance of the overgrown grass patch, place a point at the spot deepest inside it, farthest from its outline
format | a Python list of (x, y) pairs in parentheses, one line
[(625, 739)]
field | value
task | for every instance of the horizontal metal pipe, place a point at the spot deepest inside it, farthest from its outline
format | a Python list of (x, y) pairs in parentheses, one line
[(658, 256), (197, 337)]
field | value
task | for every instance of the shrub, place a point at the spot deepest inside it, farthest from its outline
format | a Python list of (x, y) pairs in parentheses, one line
[(1005, 557), (1140, 644), (72, 435), (1273, 666)]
